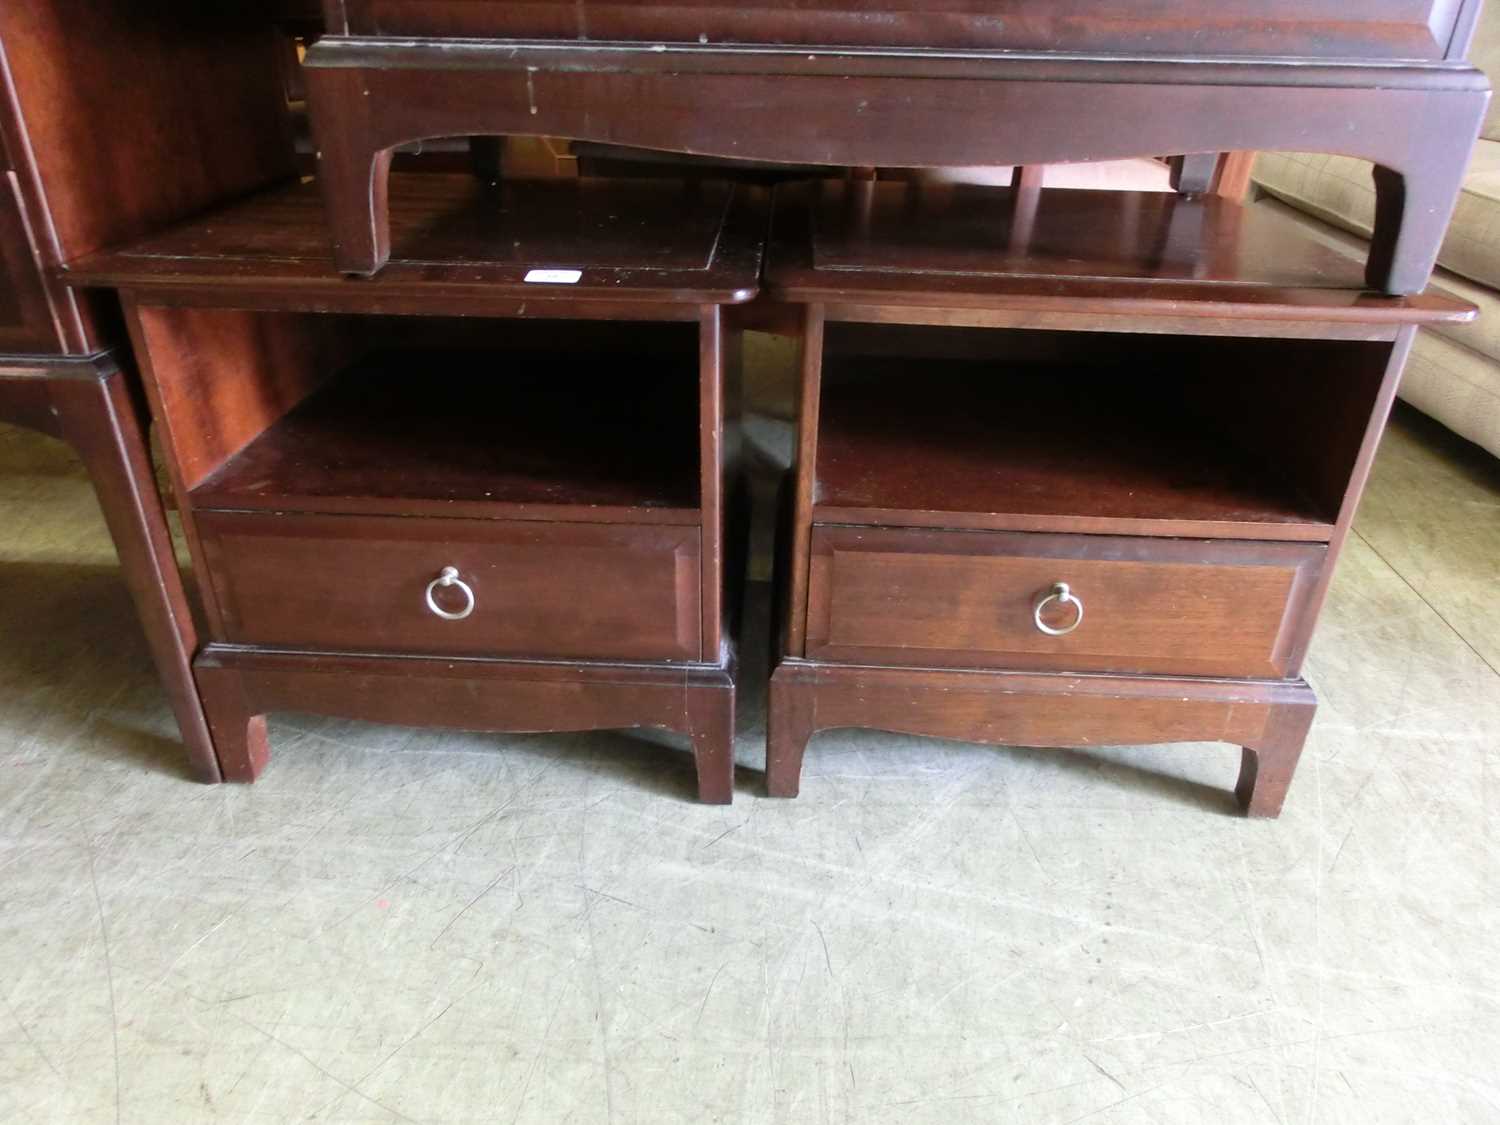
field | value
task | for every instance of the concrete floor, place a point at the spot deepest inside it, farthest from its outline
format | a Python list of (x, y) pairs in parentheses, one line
[(405, 926)]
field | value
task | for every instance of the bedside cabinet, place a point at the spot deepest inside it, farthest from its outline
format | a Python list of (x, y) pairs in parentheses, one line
[(1074, 468), (489, 490)]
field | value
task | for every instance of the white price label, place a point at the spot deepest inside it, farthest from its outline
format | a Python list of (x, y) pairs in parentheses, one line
[(554, 277)]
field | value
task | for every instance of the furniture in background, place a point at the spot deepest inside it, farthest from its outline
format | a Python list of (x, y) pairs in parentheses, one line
[(1048, 83), (520, 520), (1454, 372), (1074, 468), (92, 153)]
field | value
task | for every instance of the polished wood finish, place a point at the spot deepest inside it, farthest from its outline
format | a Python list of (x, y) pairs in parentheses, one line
[(975, 430), (966, 599), (564, 448), (1269, 719), (540, 589), (25, 312), (94, 406), (900, 107), (653, 250), (117, 117), (241, 685), (804, 468), (1396, 29), (958, 248), (1232, 176), (122, 116)]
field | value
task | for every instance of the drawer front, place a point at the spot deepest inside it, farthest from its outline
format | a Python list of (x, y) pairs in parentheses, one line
[(548, 590), (970, 599)]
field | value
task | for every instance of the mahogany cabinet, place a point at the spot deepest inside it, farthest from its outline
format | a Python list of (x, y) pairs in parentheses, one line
[(491, 489), (881, 84), (1074, 468)]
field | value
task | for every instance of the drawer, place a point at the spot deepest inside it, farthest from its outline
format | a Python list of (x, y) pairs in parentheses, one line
[(361, 584), (970, 599)]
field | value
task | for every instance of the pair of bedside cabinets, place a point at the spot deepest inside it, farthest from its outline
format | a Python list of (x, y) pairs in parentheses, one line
[(1073, 468)]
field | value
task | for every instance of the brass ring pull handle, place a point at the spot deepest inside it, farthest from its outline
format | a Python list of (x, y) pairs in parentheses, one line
[(448, 578), (1063, 594)]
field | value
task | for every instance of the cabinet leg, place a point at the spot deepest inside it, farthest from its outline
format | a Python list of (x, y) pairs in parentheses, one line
[(1266, 768), (239, 734), (487, 158), (105, 423), (1411, 214), (789, 726), (353, 170), (711, 715)]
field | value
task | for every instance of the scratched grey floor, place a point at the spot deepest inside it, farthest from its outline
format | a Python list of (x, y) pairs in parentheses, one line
[(401, 926)]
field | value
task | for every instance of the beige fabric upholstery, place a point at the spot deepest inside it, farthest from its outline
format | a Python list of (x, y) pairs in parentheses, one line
[(1481, 335), (1339, 190), (1458, 387), (1454, 371), (1484, 53)]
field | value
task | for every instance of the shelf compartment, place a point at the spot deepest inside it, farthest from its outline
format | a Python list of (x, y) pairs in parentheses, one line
[(602, 436), (1089, 433)]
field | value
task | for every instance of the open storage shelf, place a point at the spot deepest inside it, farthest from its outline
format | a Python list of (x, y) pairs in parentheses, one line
[(1076, 432), (600, 434)]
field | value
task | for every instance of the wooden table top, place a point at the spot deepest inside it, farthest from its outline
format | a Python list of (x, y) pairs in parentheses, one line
[(976, 247), (459, 244)]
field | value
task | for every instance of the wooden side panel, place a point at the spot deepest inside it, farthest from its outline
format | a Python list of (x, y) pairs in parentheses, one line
[(712, 343), (1186, 607), (220, 377), (25, 315), (139, 113), (804, 481), (359, 584), (123, 116), (1304, 409)]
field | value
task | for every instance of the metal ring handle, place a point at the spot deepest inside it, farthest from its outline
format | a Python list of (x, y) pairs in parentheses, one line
[(450, 577), (1063, 594)]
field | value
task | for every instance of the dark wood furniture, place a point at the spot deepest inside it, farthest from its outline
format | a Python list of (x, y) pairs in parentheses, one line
[(518, 520), (1074, 468), (116, 117), (96, 408), (878, 84)]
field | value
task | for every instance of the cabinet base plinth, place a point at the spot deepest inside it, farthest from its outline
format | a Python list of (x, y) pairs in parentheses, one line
[(1270, 720), (241, 685)]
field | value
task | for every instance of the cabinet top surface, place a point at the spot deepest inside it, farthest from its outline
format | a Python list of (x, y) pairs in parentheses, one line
[(1326, 29), (452, 236), (977, 247)]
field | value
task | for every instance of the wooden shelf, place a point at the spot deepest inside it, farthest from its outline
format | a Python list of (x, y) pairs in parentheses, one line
[(1054, 448), (557, 436), (958, 247), (460, 246)]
